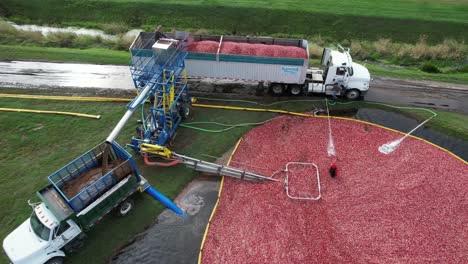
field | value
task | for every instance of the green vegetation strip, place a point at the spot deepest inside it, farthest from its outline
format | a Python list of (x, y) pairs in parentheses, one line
[(364, 19), (94, 55), (416, 74)]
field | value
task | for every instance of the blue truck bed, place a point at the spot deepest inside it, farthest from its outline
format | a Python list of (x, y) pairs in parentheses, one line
[(81, 182)]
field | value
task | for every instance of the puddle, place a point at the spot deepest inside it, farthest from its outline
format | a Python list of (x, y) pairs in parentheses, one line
[(27, 74), (173, 239)]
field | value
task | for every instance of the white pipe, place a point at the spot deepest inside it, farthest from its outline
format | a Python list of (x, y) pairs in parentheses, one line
[(219, 48), (138, 101), (286, 182)]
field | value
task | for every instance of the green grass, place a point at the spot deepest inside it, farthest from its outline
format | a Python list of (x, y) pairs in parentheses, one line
[(34, 146), (415, 74), (94, 55), (453, 124), (400, 20)]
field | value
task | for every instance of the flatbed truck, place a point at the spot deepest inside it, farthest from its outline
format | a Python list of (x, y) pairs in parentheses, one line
[(79, 195)]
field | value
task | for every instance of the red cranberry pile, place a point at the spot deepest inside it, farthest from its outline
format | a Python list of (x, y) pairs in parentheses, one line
[(406, 207), (248, 49)]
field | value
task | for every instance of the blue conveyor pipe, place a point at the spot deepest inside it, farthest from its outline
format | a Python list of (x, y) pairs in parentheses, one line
[(164, 200)]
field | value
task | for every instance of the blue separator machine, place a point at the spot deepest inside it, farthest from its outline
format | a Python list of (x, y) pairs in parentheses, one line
[(158, 73)]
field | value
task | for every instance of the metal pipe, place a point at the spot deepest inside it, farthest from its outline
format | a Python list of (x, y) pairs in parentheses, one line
[(214, 168), (164, 200), (138, 101)]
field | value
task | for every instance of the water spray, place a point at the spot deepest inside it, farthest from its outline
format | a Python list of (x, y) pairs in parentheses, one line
[(389, 147)]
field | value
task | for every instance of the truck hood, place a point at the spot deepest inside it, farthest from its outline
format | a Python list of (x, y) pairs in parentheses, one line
[(360, 72), (22, 245)]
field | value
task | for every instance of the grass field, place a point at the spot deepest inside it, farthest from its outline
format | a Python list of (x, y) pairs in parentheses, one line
[(399, 20), (34, 146), (95, 55), (413, 73), (396, 32)]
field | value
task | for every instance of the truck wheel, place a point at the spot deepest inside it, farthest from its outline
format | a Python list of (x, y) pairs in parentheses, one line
[(56, 260), (125, 207), (295, 89), (277, 89), (353, 94), (185, 110)]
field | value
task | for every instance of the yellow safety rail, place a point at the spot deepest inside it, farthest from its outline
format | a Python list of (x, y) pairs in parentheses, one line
[(172, 90)]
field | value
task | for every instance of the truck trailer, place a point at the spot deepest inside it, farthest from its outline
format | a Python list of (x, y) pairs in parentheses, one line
[(277, 64), (78, 196)]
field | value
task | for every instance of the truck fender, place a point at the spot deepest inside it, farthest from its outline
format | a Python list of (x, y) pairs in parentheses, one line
[(55, 254)]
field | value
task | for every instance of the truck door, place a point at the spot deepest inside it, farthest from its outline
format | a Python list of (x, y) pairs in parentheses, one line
[(64, 233), (337, 74), (325, 57)]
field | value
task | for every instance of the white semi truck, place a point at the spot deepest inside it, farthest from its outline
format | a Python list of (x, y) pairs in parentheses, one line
[(279, 74)]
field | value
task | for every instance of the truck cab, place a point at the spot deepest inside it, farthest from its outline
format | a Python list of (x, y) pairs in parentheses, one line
[(41, 238), (80, 194), (338, 67)]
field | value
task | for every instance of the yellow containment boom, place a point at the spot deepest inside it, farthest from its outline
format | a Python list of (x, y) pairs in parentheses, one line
[(48, 112)]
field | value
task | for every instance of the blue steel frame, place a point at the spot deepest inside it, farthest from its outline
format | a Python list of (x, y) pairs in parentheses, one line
[(164, 71), (84, 163)]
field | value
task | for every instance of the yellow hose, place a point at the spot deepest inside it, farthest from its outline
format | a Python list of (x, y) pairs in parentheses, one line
[(253, 109), (48, 112), (66, 98), (216, 204), (105, 99)]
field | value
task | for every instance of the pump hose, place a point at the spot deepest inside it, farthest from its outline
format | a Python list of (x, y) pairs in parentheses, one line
[(229, 127), (159, 164)]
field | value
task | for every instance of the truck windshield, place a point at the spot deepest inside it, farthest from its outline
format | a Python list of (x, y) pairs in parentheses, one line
[(41, 230)]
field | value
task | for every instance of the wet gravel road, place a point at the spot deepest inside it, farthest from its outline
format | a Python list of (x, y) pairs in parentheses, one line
[(23, 74)]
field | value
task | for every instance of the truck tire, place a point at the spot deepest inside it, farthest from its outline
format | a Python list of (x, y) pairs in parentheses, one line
[(277, 89), (56, 260), (124, 207), (185, 110), (353, 94), (295, 89), (75, 244)]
